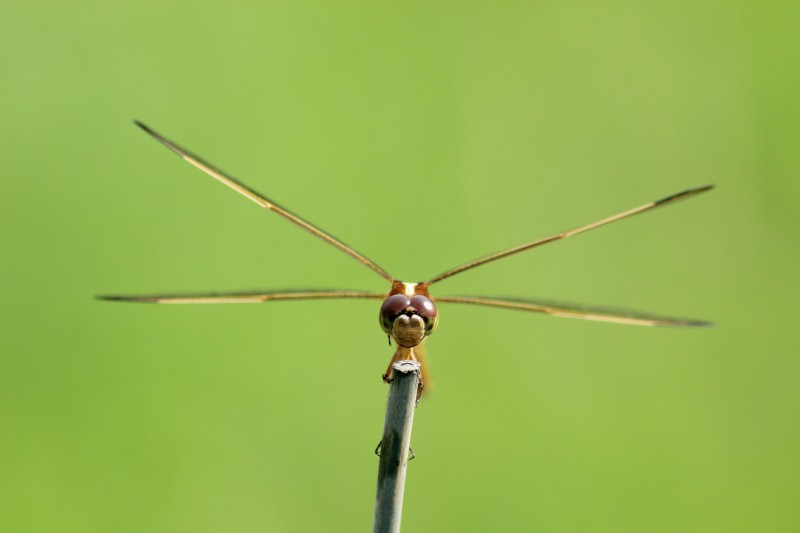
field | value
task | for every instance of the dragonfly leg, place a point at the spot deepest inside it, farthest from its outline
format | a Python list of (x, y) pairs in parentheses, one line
[(402, 354), (411, 454), (407, 354)]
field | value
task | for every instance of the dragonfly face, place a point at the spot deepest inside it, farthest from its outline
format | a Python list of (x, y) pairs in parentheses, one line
[(408, 319), (408, 313)]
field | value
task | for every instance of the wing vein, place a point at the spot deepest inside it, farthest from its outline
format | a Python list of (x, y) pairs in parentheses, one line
[(600, 314), (569, 233), (243, 297), (263, 201)]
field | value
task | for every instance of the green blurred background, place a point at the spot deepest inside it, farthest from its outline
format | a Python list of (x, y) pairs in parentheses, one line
[(424, 136)]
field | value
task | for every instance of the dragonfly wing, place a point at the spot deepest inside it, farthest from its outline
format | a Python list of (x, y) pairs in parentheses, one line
[(243, 297), (601, 314), (262, 200), (570, 233)]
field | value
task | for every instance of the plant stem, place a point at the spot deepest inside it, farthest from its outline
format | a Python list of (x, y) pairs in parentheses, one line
[(394, 446)]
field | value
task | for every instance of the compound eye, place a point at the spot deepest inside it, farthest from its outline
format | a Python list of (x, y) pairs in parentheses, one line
[(425, 308), (392, 307)]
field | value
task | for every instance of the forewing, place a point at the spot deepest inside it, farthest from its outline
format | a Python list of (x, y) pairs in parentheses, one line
[(570, 233), (262, 200)]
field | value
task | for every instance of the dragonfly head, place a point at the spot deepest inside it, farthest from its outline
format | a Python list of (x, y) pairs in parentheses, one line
[(408, 319)]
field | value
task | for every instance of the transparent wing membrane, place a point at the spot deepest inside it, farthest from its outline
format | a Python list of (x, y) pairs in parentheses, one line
[(566, 310), (602, 314), (243, 297), (566, 234), (262, 200)]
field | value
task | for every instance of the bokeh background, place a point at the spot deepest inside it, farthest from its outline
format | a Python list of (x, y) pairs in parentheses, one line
[(424, 135)]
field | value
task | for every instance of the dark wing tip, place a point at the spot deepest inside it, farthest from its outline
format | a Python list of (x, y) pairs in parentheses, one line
[(160, 138), (144, 126), (684, 194), (698, 324), (112, 298), (148, 130)]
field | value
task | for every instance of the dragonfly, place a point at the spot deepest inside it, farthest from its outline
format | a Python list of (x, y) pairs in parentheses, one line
[(408, 313)]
